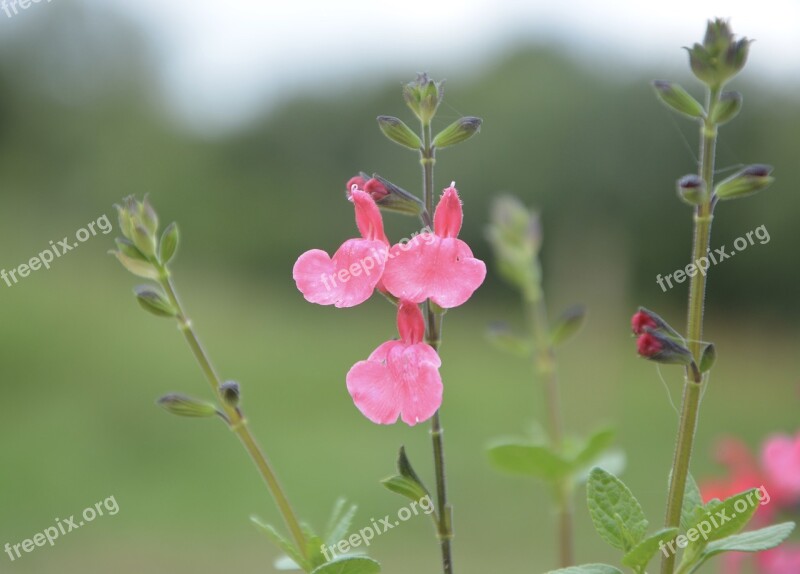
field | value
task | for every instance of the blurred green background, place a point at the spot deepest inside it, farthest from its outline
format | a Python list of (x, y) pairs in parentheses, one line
[(80, 128)]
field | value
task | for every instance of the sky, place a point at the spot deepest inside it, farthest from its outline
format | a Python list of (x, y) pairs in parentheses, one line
[(223, 61)]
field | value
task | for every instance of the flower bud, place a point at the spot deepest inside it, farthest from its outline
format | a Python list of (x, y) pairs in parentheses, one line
[(645, 320), (707, 357), (169, 243), (423, 96), (655, 346), (727, 108), (153, 300), (720, 56), (398, 132), (750, 180), (459, 131), (675, 97), (390, 197), (230, 393), (185, 406), (515, 236), (692, 190)]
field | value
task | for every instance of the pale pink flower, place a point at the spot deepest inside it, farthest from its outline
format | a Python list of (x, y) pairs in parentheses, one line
[(437, 266), (351, 275), (780, 459), (781, 560), (400, 378)]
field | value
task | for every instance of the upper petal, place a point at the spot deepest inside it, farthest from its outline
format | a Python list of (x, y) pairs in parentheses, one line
[(410, 323), (345, 280), (449, 215), (368, 216)]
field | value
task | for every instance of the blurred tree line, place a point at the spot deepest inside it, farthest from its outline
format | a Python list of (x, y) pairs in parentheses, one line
[(81, 125)]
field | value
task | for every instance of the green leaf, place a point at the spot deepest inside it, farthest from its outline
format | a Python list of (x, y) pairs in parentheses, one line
[(281, 542), (528, 459), (721, 519), (588, 569), (407, 483), (643, 553), (568, 324), (598, 443), (340, 521), (692, 500), (617, 515), (349, 565), (169, 243), (501, 337), (752, 541)]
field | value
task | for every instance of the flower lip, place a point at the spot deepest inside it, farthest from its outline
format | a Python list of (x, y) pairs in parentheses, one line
[(640, 320), (648, 345)]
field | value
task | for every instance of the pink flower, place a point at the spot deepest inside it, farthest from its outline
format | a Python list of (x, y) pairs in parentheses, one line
[(351, 275), (400, 378), (642, 319), (780, 459), (781, 560), (439, 266)]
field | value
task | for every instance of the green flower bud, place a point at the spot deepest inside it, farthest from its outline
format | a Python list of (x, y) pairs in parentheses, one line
[(399, 132), (423, 96), (727, 108), (155, 301), (127, 247), (692, 190), (144, 240), (148, 216), (707, 357), (720, 57), (391, 197), (678, 99), (138, 267), (750, 180), (459, 131), (185, 406), (230, 393), (169, 243)]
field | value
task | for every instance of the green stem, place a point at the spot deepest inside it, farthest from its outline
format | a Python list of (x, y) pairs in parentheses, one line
[(236, 420), (690, 406), (545, 367), (433, 329)]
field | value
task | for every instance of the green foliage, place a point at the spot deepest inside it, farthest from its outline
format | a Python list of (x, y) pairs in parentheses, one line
[(349, 565), (588, 569), (617, 515), (640, 556), (407, 483), (568, 324)]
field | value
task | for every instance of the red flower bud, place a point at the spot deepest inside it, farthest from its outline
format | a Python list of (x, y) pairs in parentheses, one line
[(642, 319), (648, 346), (358, 181), (376, 189)]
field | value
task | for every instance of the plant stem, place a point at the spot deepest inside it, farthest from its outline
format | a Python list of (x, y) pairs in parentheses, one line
[(236, 420), (433, 329), (545, 366), (690, 406)]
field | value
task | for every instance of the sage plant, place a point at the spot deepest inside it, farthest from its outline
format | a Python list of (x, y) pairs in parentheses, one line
[(696, 530), (142, 252), (434, 268)]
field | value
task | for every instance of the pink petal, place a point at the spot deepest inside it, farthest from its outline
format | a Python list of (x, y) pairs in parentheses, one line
[(449, 215), (410, 323), (781, 560), (368, 216), (397, 380), (781, 462), (347, 279), (443, 270)]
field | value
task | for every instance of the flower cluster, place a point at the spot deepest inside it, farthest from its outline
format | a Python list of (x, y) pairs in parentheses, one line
[(400, 378), (777, 471)]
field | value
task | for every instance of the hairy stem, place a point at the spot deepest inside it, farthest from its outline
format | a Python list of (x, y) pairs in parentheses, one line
[(690, 406), (545, 366), (433, 329), (236, 420)]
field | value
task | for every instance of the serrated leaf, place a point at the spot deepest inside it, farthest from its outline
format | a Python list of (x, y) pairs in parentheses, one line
[(752, 541), (594, 447), (349, 565), (568, 324), (643, 553), (617, 515), (340, 521), (588, 569), (725, 518), (530, 460), (314, 546), (281, 542), (692, 500)]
